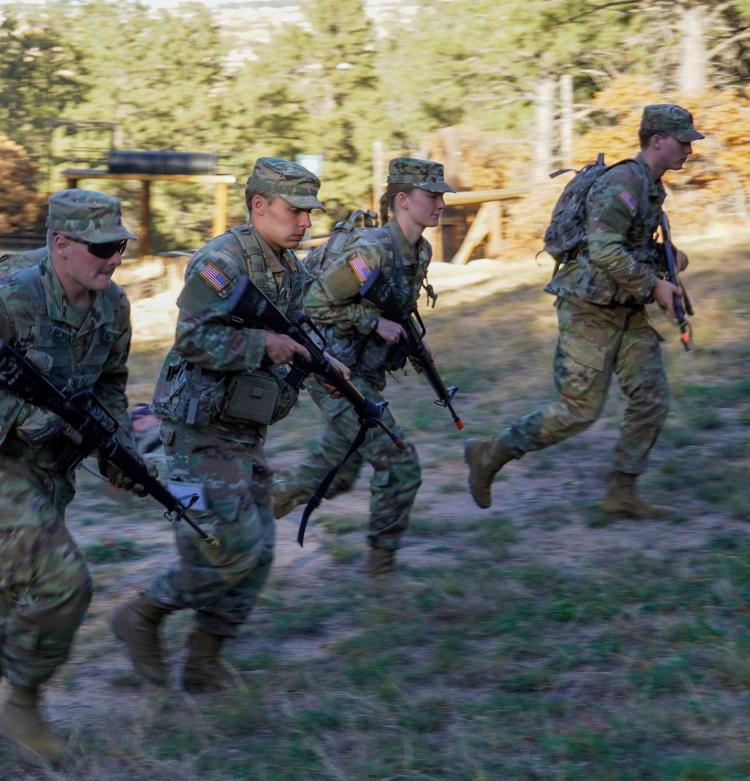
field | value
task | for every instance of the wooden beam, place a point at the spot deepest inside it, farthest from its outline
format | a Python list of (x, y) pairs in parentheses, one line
[(220, 208), (145, 218)]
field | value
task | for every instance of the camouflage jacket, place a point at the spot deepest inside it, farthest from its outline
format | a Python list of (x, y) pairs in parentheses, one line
[(14, 261), (74, 350), (621, 261), (346, 321), (213, 362)]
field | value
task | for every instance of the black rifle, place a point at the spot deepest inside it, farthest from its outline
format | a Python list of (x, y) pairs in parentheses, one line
[(250, 308), (378, 291), (686, 332), (95, 428)]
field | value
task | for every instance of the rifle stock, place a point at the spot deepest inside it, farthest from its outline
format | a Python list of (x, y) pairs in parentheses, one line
[(95, 427), (377, 291)]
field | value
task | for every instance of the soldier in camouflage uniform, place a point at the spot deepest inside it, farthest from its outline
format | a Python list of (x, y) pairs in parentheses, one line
[(219, 389), (73, 324), (604, 328), (361, 338), (15, 260)]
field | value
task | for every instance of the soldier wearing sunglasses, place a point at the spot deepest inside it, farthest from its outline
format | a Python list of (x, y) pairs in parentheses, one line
[(61, 308)]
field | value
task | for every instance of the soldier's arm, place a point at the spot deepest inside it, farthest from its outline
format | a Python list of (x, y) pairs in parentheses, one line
[(110, 387), (333, 298), (204, 335), (611, 205)]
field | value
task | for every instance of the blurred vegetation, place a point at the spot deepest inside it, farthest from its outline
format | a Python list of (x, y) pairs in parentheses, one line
[(177, 79)]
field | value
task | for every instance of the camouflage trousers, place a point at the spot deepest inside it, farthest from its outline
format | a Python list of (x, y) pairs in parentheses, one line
[(45, 587), (223, 584), (396, 473), (596, 342)]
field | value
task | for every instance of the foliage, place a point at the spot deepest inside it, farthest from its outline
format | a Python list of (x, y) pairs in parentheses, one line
[(21, 207)]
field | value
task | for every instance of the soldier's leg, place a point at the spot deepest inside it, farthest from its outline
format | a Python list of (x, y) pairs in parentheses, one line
[(294, 486), (221, 584), (45, 587), (643, 380), (584, 356)]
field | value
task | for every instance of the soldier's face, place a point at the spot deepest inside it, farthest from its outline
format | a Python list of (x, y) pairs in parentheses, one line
[(672, 153), (423, 207), (281, 224), (80, 270)]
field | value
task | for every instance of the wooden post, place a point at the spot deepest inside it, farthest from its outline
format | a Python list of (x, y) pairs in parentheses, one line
[(220, 208), (71, 182), (145, 218)]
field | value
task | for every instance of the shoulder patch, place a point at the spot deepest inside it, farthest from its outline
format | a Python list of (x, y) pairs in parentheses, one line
[(360, 268), (629, 200), (211, 275)]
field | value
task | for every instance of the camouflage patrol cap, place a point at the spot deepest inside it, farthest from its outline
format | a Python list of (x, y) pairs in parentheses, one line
[(672, 119), (292, 181), (424, 174), (87, 215)]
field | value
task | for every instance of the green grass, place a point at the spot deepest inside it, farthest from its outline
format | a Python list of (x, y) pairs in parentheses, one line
[(112, 550)]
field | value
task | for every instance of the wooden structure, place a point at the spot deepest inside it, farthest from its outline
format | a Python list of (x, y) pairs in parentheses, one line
[(220, 182)]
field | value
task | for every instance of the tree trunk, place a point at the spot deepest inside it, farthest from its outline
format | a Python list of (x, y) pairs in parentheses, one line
[(566, 120), (693, 58), (544, 114)]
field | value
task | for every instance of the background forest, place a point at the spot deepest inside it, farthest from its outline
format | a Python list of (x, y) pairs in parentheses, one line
[(504, 92)]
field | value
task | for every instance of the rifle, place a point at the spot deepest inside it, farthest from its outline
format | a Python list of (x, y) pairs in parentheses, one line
[(249, 307), (686, 332), (378, 291), (95, 429)]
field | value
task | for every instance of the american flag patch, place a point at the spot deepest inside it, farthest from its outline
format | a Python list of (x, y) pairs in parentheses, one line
[(360, 268), (628, 200), (213, 277)]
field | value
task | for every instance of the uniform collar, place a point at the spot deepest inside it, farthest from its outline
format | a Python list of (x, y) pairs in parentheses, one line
[(403, 246), (273, 261), (654, 185)]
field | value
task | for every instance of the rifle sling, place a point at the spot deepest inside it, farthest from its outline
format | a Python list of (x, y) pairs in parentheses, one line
[(315, 500)]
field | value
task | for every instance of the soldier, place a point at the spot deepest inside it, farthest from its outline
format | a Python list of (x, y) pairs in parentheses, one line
[(359, 336), (604, 328), (218, 391), (73, 323)]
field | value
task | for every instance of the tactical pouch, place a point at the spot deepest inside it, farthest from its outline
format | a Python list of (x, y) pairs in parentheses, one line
[(251, 396)]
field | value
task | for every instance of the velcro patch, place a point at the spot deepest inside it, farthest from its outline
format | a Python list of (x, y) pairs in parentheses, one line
[(628, 200), (360, 268), (213, 277)]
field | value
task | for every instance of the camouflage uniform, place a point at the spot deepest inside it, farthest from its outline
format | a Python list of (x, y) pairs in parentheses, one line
[(348, 324), (604, 328), (14, 261), (45, 586), (212, 434)]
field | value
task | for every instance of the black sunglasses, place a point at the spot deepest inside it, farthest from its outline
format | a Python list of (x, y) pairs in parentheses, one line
[(105, 249)]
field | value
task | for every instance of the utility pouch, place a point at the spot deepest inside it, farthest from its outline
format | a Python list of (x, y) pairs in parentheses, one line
[(251, 396)]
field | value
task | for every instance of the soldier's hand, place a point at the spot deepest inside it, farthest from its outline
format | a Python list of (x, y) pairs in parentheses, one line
[(664, 293), (681, 260), (119, 479), (343, 369), (389, 331), (281, 348)]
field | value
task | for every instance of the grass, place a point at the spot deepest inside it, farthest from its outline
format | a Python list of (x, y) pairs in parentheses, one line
[(536, 640)]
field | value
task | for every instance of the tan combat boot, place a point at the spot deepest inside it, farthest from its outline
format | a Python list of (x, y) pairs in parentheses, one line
[(137, 623), (204, 670), (622, 499), (485, 457), (21, 722), (380, 561)]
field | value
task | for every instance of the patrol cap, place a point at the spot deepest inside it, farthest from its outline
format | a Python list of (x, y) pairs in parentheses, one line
[(292, 181), (672, 119), (424, 174), (87, 215)]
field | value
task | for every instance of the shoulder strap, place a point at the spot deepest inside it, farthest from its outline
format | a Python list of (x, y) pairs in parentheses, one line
[(250, 248)]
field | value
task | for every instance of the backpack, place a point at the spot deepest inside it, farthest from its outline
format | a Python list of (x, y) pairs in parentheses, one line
[(343, 234), (566, 231)]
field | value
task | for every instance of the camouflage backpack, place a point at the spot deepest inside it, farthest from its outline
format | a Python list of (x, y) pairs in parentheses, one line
[(344, 233), (566, 231)]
